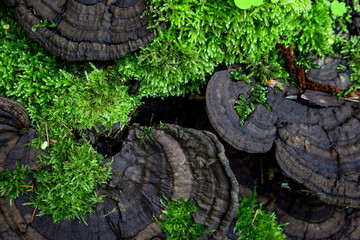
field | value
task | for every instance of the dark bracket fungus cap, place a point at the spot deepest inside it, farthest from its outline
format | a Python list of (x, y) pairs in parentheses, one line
[(257, 135), (317, 140), (307, 217), (86, 30), (169, 160), (14, 134)]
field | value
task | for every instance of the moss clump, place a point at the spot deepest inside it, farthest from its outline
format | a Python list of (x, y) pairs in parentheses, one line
[(351, 52), (254, 223), (200, 35), (178, 222)]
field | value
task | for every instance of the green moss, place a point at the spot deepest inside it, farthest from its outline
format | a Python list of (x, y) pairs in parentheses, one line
[(351, 52), (244, 107), (254, 223), (178, 223), (200, 35), (11, 182), (52, 90), (69, 190)]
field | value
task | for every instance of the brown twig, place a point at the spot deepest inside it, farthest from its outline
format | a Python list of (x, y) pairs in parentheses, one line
[(197, 97), (28, 186), (257, 210), (66, 133), (128, 119), (33, 214)]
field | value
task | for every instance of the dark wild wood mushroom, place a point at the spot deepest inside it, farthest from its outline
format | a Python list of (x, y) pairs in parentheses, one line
[(308, 217), (317, 137), (169, 160), (14, 134), (79, 30)]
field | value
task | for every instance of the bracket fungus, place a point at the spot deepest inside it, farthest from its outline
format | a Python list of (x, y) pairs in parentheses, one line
[(307, 216), (14, 134), (169, 160), (317, 137), (78, 30)]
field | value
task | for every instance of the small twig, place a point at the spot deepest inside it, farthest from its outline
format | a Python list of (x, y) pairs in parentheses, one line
[(64, 136), (257, 210), (305, 191), (33, 214), (197, 97), (128, 119), (110, 212), (47, 135), (28, 186), (66, 133)]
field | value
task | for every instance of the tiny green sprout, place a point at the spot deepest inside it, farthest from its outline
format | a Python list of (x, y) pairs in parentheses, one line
[(338, 8), (147, 134), (162, 125), (42, 24)]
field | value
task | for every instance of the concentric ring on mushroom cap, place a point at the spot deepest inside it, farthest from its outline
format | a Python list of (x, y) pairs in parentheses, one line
[(14, 134), (257, 134), (307, 217), (86, 30), (177, 162), (317, 145)]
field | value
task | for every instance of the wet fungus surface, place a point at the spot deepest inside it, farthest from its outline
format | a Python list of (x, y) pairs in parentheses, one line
[(168, 160), (78, 30), (307, 215), (317, 137), (14, 134)]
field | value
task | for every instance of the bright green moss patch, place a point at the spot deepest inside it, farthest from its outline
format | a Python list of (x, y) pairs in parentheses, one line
[(200, 35), (12, 184), (69, 190), (255, 223), (53, 90), (178, 223)]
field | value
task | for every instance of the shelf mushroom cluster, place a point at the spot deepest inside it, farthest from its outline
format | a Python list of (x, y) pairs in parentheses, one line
[(317, 137), (168, 160), (79, 30), (307, 217)]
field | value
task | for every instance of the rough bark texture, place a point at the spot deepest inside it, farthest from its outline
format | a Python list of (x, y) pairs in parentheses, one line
[(317, 137), (86, 30), (308, 217), (172, 161)]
